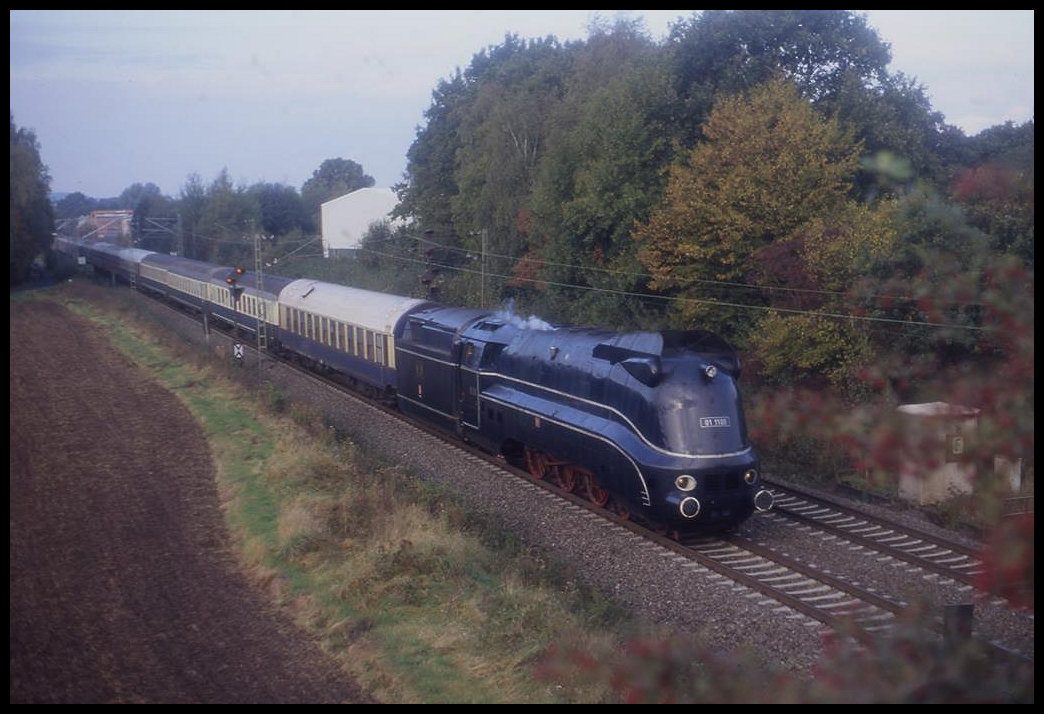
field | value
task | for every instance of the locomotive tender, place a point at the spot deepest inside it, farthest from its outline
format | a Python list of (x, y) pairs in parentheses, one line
[(645, 423)]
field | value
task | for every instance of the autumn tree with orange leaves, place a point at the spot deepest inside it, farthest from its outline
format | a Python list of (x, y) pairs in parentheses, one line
[(765, 201)]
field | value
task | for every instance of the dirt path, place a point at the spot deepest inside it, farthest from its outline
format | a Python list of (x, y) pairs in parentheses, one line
[(123, 588)]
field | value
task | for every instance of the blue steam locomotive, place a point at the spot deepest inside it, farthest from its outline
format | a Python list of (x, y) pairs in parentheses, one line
[(645, 423)]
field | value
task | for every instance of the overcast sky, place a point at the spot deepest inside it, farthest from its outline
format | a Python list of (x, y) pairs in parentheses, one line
[(123, 97)]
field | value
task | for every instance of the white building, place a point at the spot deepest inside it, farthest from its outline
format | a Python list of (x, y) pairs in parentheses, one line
[(345, 220)]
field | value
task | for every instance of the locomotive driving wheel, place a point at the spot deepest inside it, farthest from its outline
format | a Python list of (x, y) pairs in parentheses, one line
[(536, 464), (567, 477), (596, 494), (545, 467)]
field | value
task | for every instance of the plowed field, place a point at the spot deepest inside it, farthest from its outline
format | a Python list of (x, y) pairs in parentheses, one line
[(123, 584)]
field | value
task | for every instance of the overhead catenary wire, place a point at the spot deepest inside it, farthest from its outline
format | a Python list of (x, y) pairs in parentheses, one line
[(670, 298), (628, 274), (704, 281), (645, 296)]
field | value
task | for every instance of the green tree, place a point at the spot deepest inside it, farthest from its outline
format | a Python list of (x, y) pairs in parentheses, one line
[(430, 187), (227, 221), (502, 141), (191, 201), (722, 52), (995, 186), (761, 210), (769, 166), (134, 194), (282, 209), (155, 217), (602, 172), (333, 178), (74, 205), (899, 130), (31, 213)]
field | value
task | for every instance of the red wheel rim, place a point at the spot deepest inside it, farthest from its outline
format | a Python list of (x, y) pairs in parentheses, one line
[(595, 493), (536, 464), (567, 478)]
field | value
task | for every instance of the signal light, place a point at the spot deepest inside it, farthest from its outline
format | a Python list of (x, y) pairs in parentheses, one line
[(233, 283)]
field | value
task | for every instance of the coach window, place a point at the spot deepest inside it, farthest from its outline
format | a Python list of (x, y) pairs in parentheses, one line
[(379, 349), (369, 346)]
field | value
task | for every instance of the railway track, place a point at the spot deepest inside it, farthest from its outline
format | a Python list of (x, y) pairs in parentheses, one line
[(917, 547), (781, 582), (790, 585)]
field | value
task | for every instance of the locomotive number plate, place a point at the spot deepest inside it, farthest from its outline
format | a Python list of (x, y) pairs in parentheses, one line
[(714, 422)]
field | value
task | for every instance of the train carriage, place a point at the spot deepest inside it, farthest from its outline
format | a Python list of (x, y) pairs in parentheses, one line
[(118, 262), (349, 330), (254, 302), (647, 422), (181, 280), (69, 246)]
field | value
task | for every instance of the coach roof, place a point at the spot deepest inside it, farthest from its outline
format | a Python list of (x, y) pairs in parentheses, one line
[(365, 308)]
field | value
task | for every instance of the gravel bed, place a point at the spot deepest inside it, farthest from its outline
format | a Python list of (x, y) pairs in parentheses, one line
[(650, 580), (865, 567), (653, 582)]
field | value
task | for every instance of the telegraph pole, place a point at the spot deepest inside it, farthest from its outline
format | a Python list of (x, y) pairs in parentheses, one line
[(259, 284), (482, 300)]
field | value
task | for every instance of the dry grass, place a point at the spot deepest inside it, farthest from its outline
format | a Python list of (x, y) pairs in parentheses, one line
[(416, 597)]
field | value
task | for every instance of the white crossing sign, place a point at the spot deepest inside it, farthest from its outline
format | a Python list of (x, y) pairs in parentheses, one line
[(237, 350)]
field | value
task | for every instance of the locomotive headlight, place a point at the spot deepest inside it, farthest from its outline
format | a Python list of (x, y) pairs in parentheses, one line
[(710, 371), (685, 482), (751, 476), (689, 507)]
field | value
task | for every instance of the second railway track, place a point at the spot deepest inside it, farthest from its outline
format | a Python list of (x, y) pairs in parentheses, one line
[(944, 556), (776, 582)]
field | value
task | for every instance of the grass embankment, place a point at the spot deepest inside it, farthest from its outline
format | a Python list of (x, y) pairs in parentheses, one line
[(417, 598)]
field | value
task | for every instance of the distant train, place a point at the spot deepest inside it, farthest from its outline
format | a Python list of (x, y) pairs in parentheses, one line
[(646, 423)]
